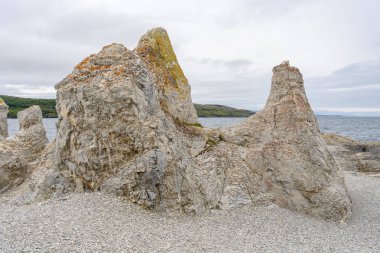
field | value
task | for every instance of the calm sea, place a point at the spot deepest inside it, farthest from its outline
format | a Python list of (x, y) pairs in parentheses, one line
[(360, 128)]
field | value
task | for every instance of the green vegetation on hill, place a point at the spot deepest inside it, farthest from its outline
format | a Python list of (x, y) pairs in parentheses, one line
[(17, 104), (221, 111)]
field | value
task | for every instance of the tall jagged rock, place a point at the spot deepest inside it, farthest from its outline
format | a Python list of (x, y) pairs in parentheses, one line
[(285, 150), (157, 52), (16, 153), (112, 133), (118, 134), (3, 119)]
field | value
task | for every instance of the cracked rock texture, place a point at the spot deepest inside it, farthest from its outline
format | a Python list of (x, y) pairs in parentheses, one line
[(286, 159), (155, 49), (127, 126), (17, 153)]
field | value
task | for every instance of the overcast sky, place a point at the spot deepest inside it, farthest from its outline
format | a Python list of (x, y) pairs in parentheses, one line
[(226, 48)]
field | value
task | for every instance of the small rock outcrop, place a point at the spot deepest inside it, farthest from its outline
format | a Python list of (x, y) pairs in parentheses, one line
[(127, 126), (3, 120), (353, 155), (16, 153)]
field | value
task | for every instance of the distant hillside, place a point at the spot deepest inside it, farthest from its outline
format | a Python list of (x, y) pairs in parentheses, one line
[(17, 104), (221, 111)]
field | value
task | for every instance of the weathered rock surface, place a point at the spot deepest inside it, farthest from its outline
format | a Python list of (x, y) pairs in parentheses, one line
[(16, 153), (354, 155), (3, 120), (174, 91), (286, 159), (126, 126), (113, 134)]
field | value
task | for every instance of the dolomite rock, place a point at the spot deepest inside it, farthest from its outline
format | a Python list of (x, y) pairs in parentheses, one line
[(3, 120), (16, 153), (284, 158), (112, 133), (354, 155), (126, 126), (156, 51)]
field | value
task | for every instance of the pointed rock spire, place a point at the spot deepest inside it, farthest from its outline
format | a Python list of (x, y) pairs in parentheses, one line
[(157, 52), (289, 152)]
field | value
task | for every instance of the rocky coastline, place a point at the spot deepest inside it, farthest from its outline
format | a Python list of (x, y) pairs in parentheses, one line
[(127, 128)]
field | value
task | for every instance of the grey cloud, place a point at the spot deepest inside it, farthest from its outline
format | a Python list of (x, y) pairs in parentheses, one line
[(359, 99), (269, 8), (250, 92), (238, 64), (27, 91), (233, 65), (41, 41), (353, 75), (356, 85), (97, 27), (377, 44)]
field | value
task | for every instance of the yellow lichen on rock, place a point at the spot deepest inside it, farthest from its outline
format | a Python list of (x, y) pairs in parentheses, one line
[(1, 102), (87, 65), (156, 50)]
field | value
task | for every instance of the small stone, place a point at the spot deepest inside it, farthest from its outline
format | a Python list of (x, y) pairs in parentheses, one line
[(3, 119)]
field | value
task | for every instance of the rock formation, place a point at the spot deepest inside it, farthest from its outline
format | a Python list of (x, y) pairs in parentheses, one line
[(127, 126), (3, 120), (112, 131), (286, 159), (156, 51), (16, 153), (354, 155)]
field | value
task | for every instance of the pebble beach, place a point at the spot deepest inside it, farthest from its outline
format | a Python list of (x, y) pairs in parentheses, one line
[(95, 222)]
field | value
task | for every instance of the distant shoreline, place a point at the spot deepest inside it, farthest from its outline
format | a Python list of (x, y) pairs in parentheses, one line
[(17, 104)]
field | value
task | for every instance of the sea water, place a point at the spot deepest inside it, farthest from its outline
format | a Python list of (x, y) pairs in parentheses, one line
[(359, 128)]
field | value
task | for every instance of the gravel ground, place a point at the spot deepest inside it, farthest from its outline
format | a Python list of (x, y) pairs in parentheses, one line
[(99, 223)]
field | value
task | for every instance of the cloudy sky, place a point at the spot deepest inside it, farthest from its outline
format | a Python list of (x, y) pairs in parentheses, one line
[(226, 48)]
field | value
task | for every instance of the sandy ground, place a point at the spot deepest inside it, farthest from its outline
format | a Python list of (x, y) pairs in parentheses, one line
[(96, 222)]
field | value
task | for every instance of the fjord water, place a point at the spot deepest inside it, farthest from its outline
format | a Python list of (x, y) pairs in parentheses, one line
[(359, 128)]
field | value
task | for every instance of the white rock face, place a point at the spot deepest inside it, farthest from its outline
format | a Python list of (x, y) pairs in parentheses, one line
[(16, 153), (3, 120), (126, 127)]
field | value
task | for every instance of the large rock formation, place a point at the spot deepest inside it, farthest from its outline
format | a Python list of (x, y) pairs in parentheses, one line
[(3, 120), (16, 153), (354, 155), (112, 131), (126, 126)]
